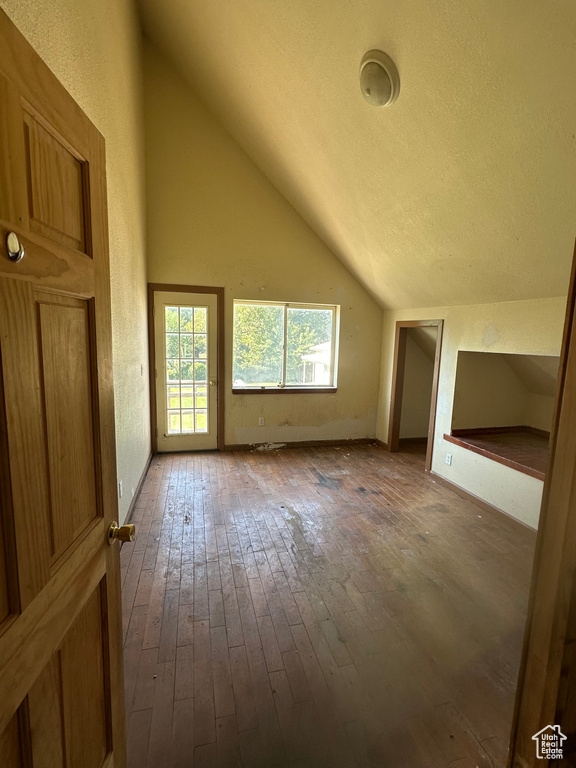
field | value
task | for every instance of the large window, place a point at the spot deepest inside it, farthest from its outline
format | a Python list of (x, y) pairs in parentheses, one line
[(279, 345)]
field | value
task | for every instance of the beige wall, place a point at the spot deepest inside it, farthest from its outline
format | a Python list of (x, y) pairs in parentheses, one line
[(539, 411), (487, 393), (214, 219), (417, 390), (93, 47), (526, 327)]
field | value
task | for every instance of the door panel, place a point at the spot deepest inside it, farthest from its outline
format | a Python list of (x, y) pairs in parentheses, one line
[(84, 688), (8, 577), (10, 745), (46, 716), (57, 209), (29, 502), (61, 682), (64, 346), (186, 338)]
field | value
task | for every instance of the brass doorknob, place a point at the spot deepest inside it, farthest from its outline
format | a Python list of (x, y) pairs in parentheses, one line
[(122, 532)]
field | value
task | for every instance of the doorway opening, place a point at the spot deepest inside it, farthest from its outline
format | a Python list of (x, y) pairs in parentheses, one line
[(415, 375), (186, 366)]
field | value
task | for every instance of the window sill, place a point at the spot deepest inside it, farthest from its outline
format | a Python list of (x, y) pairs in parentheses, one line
[(283, 390)]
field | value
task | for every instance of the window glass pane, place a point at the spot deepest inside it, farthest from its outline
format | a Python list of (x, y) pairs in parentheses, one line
[(200, 345), (201, 397), (309, 346), (200, 319), (201, 421), (172, 345), (258, 344), (186, 320), (187, 397), (173, 397), (187, 421), (187, 370), (200, 372), (172, 318), (186, 345), (173, 370), (173, 422)]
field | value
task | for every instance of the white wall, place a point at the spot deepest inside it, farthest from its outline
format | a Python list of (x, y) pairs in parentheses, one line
[(526, 327), (93, 48)]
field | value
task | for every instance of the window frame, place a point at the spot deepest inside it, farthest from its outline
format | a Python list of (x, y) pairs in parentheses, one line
[(282, 387)]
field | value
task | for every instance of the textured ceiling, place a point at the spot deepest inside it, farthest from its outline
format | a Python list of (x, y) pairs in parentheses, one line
[(463, 191)]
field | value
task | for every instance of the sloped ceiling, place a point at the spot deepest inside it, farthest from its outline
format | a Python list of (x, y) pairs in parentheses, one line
[(425, 338), (461, 192), (539, 374)]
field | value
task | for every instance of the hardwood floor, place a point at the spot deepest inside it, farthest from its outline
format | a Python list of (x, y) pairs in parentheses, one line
[(319, 607)]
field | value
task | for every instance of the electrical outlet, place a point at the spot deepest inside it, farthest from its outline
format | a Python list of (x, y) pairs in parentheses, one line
[(261, 421), (448, 458), (120, 489)]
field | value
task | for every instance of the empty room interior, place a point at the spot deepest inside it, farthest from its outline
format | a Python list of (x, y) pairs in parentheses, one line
[(340, 241)]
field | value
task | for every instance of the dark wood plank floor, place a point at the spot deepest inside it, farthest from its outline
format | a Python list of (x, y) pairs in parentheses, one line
[(319, 607)]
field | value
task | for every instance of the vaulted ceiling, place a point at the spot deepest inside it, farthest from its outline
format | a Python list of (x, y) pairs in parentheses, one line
[(462, 192)]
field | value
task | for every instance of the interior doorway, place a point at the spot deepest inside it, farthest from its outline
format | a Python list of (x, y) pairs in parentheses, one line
[(415, 374)]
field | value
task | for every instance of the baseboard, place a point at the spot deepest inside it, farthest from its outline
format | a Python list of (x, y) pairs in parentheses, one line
[(132, 506), (305, 444), (485, 505)]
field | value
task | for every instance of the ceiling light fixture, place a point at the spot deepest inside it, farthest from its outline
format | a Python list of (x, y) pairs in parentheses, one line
[(379, 79)]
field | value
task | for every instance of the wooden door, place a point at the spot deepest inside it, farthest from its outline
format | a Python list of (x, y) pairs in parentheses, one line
[(185, 336), (60, 640), (547, 680)]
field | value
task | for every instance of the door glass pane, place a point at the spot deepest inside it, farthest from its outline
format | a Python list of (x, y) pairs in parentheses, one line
[(200, 345), (186, 345), (200, 319), (187, 397), (200, 372), (173, 422), (187, 370), (201, 421), (172, 319), (171, 345), (186, 319), (173, 397), (187, 421), (201, 397), (173, 370)]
